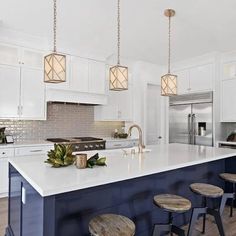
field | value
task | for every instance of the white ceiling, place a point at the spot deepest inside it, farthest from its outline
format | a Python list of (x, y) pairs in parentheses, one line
[(200, 26)]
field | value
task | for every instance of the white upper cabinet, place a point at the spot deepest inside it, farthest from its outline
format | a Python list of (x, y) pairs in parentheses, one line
[(10, 91), (9, 55), (22, 88), (201, 78), (32, 59), (79, 74), (183, 81), (97, 75), (119, 107), (228, 111), (196, 79), (32, 94)]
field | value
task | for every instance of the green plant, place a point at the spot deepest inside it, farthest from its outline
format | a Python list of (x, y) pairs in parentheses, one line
[(60, 156), (95, 160)]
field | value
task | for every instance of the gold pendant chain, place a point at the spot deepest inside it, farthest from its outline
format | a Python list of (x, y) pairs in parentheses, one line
[(55, 26), (118, 32)]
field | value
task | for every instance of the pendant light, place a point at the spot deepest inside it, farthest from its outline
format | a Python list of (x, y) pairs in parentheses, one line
[(169, 81), (55, 63), (118, 78)]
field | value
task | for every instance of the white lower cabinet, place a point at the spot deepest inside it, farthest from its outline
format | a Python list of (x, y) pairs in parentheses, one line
[(5, 153), (228, 96), (3, 177), (8, 152), (32, 150)]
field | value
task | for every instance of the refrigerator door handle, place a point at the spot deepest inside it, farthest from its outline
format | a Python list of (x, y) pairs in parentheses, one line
[(189, 129), (194, 128)]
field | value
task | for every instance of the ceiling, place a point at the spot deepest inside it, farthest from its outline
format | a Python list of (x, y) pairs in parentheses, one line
[(199, 26)]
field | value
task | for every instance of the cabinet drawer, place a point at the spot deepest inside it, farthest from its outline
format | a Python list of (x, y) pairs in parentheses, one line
[(121, 144), (37, 150), (6, 152)]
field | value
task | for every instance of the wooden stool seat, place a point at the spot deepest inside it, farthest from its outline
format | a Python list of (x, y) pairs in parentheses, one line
[(111, 224), (228, 177), (207, 190), (172, 203)]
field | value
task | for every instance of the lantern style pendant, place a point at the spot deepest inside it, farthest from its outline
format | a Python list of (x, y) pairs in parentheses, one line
[(169, 81), (55, 63), (118, 77)]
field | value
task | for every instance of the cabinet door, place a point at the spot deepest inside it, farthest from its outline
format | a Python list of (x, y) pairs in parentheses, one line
[(97, 77), (79, 74), (183, 81), (32, 59), (107, 112), (10, 91), (228, 110), (201, 78), (3, 176), (32, 94), (9, 55), (125, 105)]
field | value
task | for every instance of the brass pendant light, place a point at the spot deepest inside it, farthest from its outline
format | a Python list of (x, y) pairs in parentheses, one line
[(118, 77), (55, 63), (169, 81)]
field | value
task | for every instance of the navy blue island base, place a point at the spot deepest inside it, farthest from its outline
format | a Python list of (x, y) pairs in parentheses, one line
[(68, 214)]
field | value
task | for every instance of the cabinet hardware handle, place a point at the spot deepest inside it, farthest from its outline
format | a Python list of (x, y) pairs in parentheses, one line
[(36, 150), (3, 153)]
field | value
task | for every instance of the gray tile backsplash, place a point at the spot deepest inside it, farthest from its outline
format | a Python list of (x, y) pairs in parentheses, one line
[(63, 120)]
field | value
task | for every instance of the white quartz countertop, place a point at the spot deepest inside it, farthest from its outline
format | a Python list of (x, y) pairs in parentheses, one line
[(50, 181)]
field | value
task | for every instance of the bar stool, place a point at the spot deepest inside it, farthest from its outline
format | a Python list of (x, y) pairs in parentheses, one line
[(171, 204), (111, 224), (230, 178), (206, 191)]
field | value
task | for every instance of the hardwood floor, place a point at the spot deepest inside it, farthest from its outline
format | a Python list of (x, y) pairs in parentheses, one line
[(211, 228), (3, 215)]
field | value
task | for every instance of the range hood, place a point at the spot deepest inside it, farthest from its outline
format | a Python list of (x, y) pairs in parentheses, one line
[(65, 96)]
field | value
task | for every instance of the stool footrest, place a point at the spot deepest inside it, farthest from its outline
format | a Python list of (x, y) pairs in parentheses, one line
[(159, 229)]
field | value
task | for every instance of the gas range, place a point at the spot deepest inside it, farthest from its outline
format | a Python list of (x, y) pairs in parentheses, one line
[(81, 143)]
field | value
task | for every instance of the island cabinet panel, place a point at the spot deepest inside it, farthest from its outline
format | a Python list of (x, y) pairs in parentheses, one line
[(69, 213), (25, 207)]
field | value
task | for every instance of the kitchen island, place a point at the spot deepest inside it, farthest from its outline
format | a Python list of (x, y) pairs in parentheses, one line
[(45, 201)]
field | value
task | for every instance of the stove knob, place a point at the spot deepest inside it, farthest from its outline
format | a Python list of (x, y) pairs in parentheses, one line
[(86, 146), (76, 147), (97, 146), (90, 146), (101, 145)]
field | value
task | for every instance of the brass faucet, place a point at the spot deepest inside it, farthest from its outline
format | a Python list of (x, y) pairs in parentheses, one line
[(140, 145)]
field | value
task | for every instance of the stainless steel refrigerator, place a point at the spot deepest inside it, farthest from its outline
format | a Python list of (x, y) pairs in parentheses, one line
[(190, 119)]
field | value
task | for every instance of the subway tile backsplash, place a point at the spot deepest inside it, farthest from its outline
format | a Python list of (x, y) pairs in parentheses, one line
[(63, 120)]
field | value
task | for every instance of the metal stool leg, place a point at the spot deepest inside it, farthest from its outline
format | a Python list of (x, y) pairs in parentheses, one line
[(160, 228), (218, 220), (178, 231), (204, 216), (224, 199), (170, 222), (232, 202), (194, 217)]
